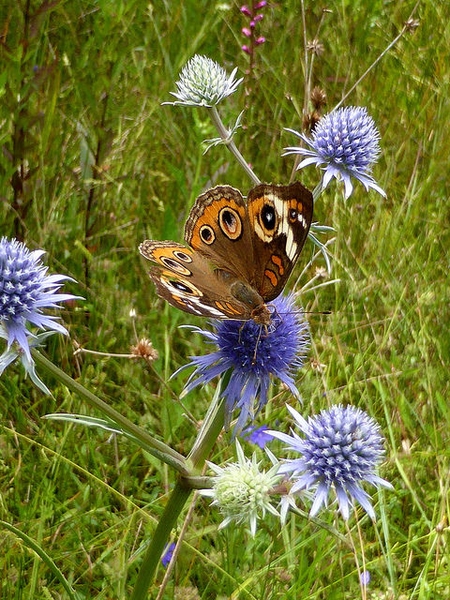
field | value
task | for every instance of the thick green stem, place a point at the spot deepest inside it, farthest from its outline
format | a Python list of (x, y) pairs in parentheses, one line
[(207, 437), (154, 552), (188, 480), (146, 441)]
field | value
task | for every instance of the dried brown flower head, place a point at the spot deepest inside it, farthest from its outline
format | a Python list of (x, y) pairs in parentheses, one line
[(318, 98), (310, 121), (315, 47), (144, 349), (411, 25)]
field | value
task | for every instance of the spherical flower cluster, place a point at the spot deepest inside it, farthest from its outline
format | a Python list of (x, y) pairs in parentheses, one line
[(203, 82), (25, 290), (242, 490), (346, 143), (253, 355), (341, 448)]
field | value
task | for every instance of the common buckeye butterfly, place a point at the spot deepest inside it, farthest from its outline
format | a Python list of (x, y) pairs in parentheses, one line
[(240, 253)]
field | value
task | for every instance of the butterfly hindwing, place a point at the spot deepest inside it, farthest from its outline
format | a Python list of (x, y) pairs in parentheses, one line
[(189, 282)]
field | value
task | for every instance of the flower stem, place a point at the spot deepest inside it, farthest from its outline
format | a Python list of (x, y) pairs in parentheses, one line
[(228, 141), (146, 441), (187, 481), (377, 60), (207, 436), (155, 550)]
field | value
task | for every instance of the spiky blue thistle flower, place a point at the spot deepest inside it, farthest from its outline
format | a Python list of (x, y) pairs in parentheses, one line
[(340, 450), (13, 353), (203, 82), (25, 290), (345, 143), (253, 356)]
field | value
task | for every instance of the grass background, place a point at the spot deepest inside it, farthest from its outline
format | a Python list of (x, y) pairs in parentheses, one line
[(92, 164)]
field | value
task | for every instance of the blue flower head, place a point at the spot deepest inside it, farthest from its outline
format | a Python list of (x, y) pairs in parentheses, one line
[(25, 290), (341, 449), (346, 143), (252, 356)]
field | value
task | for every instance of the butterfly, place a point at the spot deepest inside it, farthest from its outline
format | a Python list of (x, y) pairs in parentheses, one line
[(240, 253)]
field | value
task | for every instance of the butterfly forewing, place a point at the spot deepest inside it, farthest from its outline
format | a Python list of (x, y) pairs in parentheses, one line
[(218, 227), (281, 217)]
